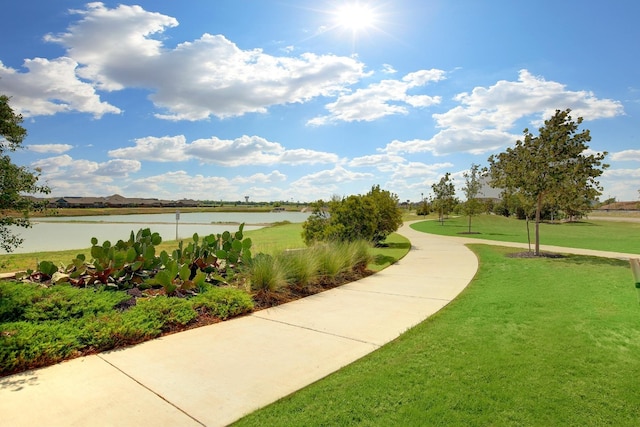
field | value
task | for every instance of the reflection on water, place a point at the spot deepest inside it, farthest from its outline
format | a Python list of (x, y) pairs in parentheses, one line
[(61, 233)]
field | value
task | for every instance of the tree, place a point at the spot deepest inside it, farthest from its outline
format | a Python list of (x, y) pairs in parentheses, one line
[(472, 205), (370, 217), (15, 181), (444, 199), (551, 166), (388, 216)]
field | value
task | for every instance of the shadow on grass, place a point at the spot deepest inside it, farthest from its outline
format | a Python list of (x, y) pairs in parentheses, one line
[(398, 245), (591, 260), (384, 260)]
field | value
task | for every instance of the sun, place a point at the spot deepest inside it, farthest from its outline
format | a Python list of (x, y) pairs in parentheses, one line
[(355, 17)]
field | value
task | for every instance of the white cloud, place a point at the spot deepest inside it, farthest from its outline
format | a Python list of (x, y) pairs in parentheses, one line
[(388, 69), (453, 140), (420, 170), (49, 148), (261, 178), (483, 120), (387, 97), (157, 149), (197, 79), (382, 162), (336, 175), (623, 184), (198, 187), (502, 104), (626, 155), (245, 150), (69, 177), (50, 87)]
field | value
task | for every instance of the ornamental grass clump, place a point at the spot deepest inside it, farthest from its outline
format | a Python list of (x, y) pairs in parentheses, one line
[(301, 267), (360, 253), (267, 274), (333, 259)]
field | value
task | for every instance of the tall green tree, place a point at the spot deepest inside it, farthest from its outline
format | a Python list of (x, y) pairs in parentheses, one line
[(444, 196), (554, 165), (471, 189), (16, 182)]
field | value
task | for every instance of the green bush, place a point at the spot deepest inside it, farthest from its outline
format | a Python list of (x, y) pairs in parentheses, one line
[(165, 312), (223, 302), (32, 302), (371, 217), (25, 344)]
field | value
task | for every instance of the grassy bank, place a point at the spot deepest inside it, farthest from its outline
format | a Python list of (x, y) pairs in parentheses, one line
[(587, 234), (529, 342)]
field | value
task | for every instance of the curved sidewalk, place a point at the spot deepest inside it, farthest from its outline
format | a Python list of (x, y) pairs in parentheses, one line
[(216, 374)]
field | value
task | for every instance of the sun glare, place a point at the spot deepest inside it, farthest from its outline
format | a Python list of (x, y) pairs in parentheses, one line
[(355, 17)]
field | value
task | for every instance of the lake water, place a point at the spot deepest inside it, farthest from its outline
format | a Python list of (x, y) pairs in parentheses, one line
[(61, 233)]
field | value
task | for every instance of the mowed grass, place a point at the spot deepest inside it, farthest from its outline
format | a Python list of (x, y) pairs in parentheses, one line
[(534, 342), (587, 234)]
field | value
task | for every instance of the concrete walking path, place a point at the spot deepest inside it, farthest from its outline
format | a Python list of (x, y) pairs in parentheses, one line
[(215, 374)]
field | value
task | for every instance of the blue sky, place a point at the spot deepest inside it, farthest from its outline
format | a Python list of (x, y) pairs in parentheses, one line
[(299, 100)]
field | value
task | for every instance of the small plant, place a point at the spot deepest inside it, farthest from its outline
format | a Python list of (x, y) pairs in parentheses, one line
[(333, 260), (301, 267), (267, 275)]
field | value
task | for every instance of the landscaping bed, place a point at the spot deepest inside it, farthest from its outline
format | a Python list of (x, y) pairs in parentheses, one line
[(45, 323)]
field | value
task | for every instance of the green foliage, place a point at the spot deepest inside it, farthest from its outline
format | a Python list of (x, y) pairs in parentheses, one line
[(223, 302), (32, 302), (219, 256), (164, 311), (472, 206), (333, 259), (370, 217), (15, 181), (134, 263), (267, 274), (551, 167), (301, 267), (444, 200)]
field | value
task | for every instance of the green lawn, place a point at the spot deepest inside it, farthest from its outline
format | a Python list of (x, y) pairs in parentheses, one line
[(599, 235), (536, 342)]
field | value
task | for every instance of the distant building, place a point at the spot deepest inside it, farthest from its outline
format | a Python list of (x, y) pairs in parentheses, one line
[(118, 201)]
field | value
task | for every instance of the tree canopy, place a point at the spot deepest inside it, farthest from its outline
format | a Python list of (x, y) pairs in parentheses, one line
[(371, 217), (15, 181), (553, 166)]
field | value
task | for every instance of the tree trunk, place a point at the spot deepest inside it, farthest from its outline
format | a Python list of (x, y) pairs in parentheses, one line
[(469, 224), (538, 210)]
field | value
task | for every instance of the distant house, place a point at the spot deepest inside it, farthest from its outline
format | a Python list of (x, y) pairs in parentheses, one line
[(118, 201), (80, 202)]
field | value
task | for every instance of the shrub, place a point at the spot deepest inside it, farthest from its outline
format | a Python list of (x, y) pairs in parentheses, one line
[(164, 311), (223, 302), (371, 217)]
